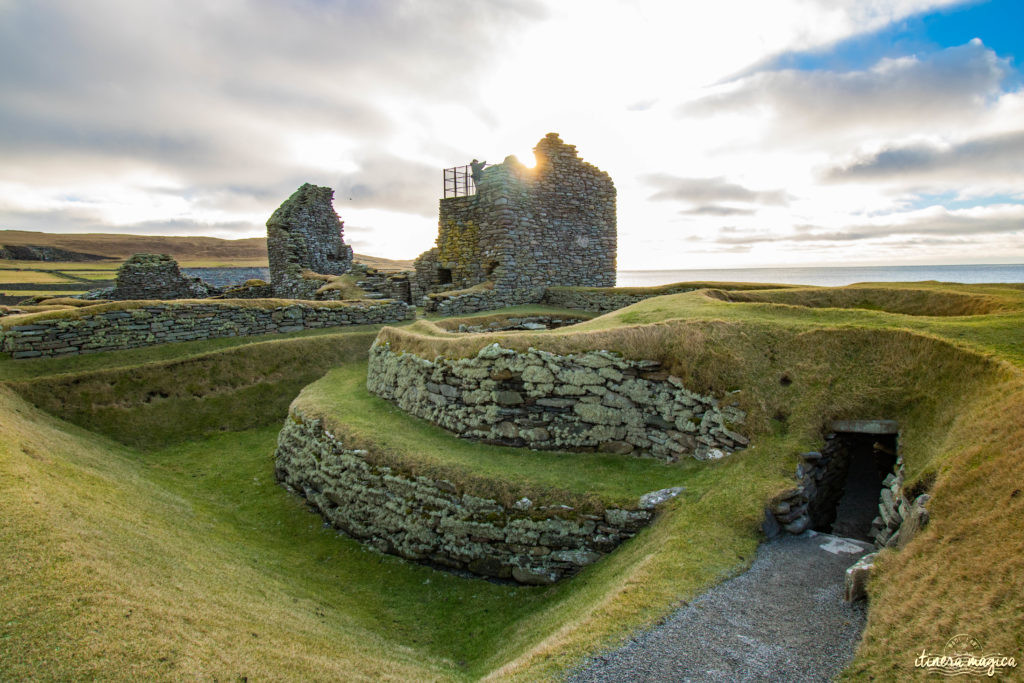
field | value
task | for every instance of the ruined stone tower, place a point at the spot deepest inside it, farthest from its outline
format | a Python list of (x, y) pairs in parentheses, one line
[(304, 233), (526, 229)]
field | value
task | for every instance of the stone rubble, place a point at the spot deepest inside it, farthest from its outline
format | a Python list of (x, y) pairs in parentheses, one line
[(155, 276)]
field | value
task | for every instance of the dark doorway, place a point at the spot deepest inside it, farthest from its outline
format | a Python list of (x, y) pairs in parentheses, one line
[(444, 276), (847, 498), (871, 458)]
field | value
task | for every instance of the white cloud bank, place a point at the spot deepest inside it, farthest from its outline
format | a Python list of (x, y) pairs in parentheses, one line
[(200, 118)]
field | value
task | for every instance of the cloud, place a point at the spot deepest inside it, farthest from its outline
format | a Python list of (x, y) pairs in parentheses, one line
[(716, 210), (213, 95), (999, 156), (642, 105), (78, 221), (936, 225), (901, 93), (385, 180), (701, 190)]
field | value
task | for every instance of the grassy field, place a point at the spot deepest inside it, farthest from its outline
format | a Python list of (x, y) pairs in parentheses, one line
[(145, 537), (190, 252), (81, 276)]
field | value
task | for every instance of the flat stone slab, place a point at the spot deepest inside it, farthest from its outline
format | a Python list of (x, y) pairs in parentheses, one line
[(866, 426), (784, 619)]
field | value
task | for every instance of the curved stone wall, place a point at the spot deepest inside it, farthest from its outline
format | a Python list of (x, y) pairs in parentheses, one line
[(538, 399), (428, 520)]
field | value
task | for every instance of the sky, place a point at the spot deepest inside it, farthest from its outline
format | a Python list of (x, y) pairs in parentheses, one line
[(739, 133)]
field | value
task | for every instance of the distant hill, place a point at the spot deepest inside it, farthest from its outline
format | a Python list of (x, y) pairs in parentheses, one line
[(252, 250)]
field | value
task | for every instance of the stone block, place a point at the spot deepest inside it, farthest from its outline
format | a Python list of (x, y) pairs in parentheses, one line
[(855, 582)]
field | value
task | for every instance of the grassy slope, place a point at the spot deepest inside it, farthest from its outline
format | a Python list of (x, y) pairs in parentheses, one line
[(187, 398), (108, 513), (110, 572)]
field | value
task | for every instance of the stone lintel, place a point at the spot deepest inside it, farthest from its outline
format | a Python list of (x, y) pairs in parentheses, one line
[(866, 426)]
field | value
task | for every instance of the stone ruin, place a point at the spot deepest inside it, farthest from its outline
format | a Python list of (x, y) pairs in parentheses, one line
[(526, 229), (155, 276), (305, 234)]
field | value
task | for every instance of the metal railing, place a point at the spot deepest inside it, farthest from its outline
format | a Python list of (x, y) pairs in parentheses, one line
[(458, 182)]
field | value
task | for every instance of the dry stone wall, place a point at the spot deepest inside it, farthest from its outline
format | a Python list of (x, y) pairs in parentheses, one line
[(585, 401), (812, 503), (156, 276), (526, 229), (149, 324), (304, 233), (429, 520), (463, 303)]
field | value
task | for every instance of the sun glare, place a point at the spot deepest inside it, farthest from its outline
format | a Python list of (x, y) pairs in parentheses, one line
[(526, 159)]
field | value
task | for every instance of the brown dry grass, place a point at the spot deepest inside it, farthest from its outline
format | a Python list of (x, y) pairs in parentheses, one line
[(122, 246), (481, 287), (385, 265), (345, 284), (10, 276), (196, 251)]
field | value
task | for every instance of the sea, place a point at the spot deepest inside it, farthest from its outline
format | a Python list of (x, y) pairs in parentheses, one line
[(831, 276)]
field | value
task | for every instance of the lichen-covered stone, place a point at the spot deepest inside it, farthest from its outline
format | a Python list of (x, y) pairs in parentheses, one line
[(161, 323), (156, 276), (524, 230), (305, 233), (544, 400), (425, 520)]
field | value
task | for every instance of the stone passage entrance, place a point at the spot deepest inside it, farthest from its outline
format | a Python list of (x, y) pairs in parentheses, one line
[(863, 453)]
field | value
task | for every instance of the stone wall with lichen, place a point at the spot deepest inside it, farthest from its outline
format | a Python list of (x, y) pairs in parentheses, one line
[(526, 229), (585, 401), (156, 276), (463, 302), (433, 521), (114, 327), (305, 234)]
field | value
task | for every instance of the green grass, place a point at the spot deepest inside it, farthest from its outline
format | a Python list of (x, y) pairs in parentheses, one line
[(91, 274), (189, 561), (177, 556), (583, 480), (29, 276)]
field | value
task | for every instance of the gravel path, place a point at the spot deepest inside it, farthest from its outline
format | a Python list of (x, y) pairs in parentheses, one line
[(782, 620)]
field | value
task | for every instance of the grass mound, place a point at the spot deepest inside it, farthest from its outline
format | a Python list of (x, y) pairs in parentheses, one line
[(930, 302), (171, 553), (796, 369), (587, 481)]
